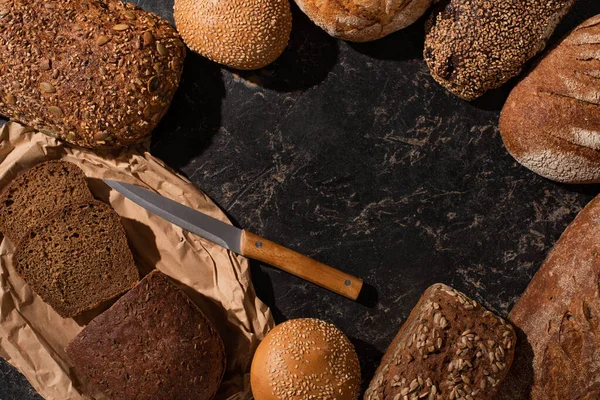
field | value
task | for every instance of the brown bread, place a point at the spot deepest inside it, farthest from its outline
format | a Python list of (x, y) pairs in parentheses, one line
[(36, 193), (363, 20), (94, 73), (153, 343), (450, 347), (551, 120), (77, 258), (559, 319), (472, 46)]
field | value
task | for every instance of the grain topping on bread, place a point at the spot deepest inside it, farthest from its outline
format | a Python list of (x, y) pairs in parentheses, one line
[(472, 46), (153, 343), (36, 193), (94, 73), (77, 258), (450, 347)]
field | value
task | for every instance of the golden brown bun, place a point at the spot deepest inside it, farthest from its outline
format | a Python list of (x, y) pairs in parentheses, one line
[(242, 34), (305, 358), (363, 20)]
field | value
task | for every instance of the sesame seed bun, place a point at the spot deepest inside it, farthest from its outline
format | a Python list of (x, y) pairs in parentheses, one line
[(363, 20), (242, 34), (305, 358)]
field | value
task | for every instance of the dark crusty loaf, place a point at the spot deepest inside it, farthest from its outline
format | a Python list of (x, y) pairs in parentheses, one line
[(559, 316), (551, 120), (33, 195), (77, 258), (472, 46), (360, 20), (153, 343), (94, 73), (450, 347)]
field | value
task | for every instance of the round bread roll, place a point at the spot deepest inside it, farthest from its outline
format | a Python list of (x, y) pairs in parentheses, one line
[(305, 359), (242, 34), (363, 20)]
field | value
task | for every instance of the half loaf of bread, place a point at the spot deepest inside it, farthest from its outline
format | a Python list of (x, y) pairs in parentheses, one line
[(77, 257), (153, 343), (472, 46), (450, 347), (558, 317), (36, 193), (551, 120), (94, 73)]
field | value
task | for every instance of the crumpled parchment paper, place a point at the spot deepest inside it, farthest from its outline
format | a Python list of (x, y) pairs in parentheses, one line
[(33, 335)]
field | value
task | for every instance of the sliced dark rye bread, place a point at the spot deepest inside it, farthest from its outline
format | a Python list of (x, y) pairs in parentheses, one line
[(153, 343), (77, 258), (33, 195)]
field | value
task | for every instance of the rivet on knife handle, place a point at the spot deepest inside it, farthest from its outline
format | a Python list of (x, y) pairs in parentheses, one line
[(271, 253)]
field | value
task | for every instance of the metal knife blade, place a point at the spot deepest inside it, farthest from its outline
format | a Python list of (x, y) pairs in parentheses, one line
[(189, 219)]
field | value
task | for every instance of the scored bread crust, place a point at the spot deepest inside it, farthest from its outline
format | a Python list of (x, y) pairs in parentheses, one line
[(450, 347), (551, 120), (472, 46), (363, 20), (558, 354), (77, 258), (153, 343), (36, 193), (93, 73)]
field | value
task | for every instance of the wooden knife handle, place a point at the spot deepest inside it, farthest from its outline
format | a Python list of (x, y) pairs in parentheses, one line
[(264, 250)]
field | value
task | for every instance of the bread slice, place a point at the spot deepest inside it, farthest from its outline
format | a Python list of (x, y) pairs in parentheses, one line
[(32, 196), (77, 258), (153, 343)]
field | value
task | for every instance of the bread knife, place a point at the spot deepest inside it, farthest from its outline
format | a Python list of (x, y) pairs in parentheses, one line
[(241, 241)]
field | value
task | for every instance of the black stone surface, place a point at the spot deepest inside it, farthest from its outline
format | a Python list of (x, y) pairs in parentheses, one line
[(353, 155)]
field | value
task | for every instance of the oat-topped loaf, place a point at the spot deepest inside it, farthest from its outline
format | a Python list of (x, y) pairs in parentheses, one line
[(37, 192), (77, 258), (94, 73), (450, 347), (473, 46), (153, 343)]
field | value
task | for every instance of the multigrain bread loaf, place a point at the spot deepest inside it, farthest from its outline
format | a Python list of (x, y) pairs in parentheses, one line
[(363, 20), (153, 343), (77, 257), (305, 358), (450, 347), (36, 193), (558, 316), (242, 34), (472, 46), (94, 73), (551, 120)]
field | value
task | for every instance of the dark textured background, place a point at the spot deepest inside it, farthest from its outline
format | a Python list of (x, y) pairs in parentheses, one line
[(353, 155)]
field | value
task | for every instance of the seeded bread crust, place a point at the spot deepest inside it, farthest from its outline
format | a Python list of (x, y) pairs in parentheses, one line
[(153, 343), (93, 73), (36, 193), (77, 258), (450, 347), (551, 120), (305, 358), (559, 316), (363, 20), (472, 46)]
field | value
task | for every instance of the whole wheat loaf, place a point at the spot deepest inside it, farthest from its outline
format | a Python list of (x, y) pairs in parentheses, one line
[(94, 73)]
